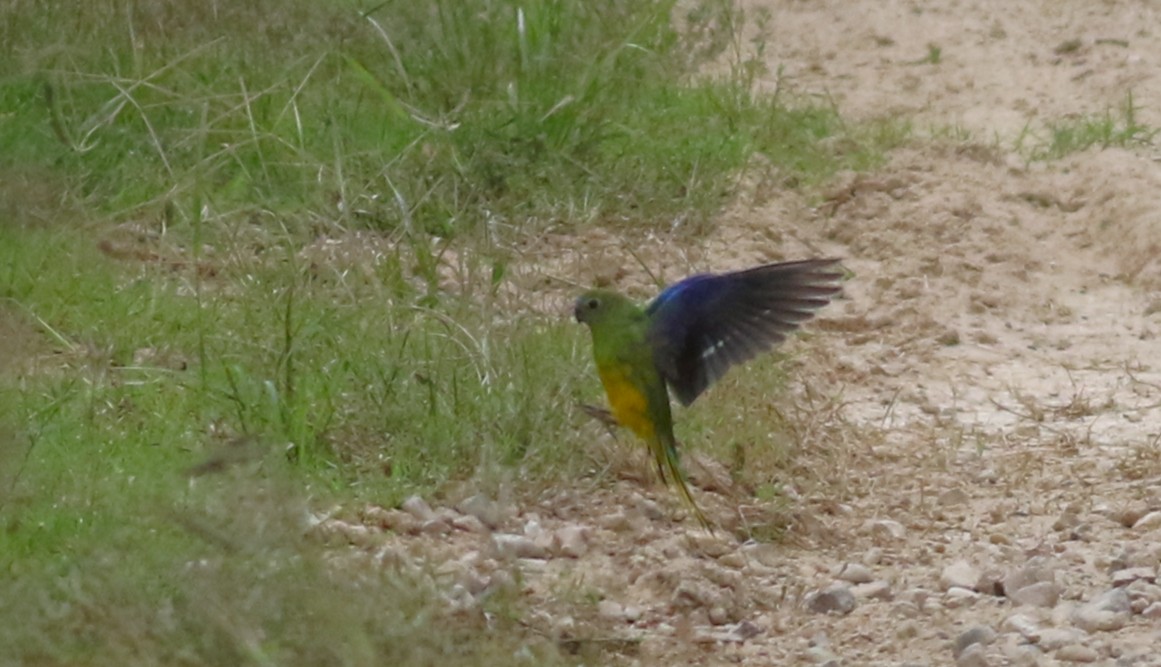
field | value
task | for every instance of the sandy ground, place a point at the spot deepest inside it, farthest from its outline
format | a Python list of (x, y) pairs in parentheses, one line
[(992, 376)]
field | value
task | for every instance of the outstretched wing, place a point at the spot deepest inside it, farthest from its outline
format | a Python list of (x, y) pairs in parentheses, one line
[(705, 324)]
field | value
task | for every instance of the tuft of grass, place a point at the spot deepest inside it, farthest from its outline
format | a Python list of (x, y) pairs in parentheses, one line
[(1119, 128)]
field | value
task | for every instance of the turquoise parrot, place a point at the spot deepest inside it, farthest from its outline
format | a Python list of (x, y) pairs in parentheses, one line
[(689, 336)]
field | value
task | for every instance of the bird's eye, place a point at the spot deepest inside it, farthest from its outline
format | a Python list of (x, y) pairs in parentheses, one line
[(592, 304)]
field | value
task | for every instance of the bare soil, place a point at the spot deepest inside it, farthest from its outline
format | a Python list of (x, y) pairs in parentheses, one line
[(991, 375)]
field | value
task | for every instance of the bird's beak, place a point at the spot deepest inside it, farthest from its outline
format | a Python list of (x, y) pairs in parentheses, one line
[(577, 310)]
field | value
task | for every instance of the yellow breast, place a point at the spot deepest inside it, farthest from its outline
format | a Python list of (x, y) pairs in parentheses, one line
[(629, 403)]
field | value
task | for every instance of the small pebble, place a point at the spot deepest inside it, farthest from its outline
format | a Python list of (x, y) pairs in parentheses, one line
[(718, 615), (418, 508), (1108, 612), (973, 656), (1148, 522), (469, 524), (959, 574), (1040, 594), (508, 546), (1152, 611), (979, 634), (613, 611), (1023, 624), (1076, 653), (436, 526), (874, 590), (1034, 572), (837, 599), (1130, 574), (483, 508), (573, 541), (856, 573), (886, 529), (747, 630), (1054, 638)]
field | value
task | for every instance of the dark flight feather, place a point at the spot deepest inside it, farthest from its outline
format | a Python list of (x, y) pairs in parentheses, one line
[(701, 326)]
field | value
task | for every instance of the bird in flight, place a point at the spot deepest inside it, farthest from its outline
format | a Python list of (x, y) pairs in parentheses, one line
[(689, 336)]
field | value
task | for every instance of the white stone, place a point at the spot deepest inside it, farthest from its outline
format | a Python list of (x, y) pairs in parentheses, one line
[(959, 574)]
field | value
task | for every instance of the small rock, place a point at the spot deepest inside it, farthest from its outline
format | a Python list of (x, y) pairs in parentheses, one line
[(696, 594), (821, 655), (469, 524), (373, 515), (396, 520), (1130, 574), (1148, 522), (355, 534), (836, 599), (544, 539), (916, 596), (747, 630), (472, 582), (734, 559), (953, 497), (617, 521), (436, 526), (713, 545), (991, 582), (724, 577), (1066, 522), (1023, 624), (957, 597), (632, 613), (573, 541), (649, 508), (1041, 594), (1143, 590), (961, 574), (1020, 653), (856, 573), (873, 556), (972, 656), (483, 508), (1129, 516), (979, 634), (1107, 612), (887, 529), (1152, 611), (718, 615), (501, 580), (1054, 638), (907, 630), (873, 590), (1036, 571), (610, 610), (905, 608), (507, 546), (1076, 653), (418, 508)]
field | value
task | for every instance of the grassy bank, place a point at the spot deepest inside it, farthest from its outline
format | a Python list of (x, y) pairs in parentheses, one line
[(270, 240)]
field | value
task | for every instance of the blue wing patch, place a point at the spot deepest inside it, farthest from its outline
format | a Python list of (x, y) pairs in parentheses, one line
[(701, 326)]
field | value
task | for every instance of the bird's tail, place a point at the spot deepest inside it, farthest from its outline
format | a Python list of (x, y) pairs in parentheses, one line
[(669, 467)]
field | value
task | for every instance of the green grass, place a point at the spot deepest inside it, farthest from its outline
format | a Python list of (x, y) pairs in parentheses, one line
[(420, 116), (276, 238), (1113, 128)]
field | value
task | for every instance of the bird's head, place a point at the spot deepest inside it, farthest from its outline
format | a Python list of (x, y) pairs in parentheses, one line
[(598, 306)]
